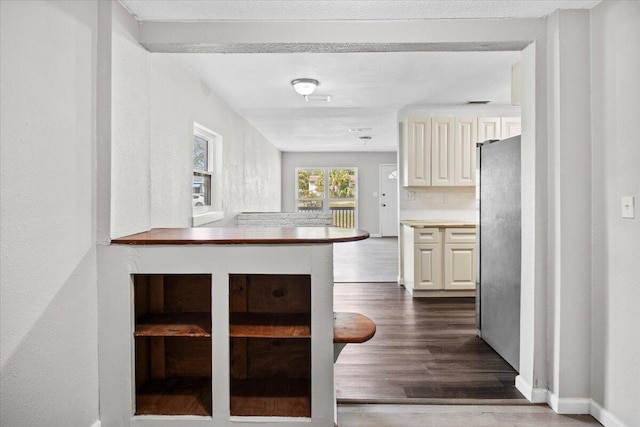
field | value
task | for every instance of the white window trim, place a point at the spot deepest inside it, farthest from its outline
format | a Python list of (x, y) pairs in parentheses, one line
[(201, 215), (325, 206)]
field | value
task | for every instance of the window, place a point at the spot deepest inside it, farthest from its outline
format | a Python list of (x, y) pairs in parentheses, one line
[(202, 171), (338, 197), (205, 188)]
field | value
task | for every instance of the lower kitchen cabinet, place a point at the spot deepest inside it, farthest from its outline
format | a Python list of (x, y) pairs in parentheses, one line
[(439, 261), (459, 266)]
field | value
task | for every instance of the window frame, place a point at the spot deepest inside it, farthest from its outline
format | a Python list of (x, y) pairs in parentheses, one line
[(326, 199), (213, 212)]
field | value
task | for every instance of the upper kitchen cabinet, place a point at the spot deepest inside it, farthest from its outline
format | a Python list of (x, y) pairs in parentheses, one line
[(498, 127), (511, 126), (417, 164), (464, 152), (441, 151)]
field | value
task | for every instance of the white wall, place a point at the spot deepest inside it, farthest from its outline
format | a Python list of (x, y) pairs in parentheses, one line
[(155, 102), (130, 128), (368, 180), (48, 320), (251, 164), (569, 208), (615, 67)]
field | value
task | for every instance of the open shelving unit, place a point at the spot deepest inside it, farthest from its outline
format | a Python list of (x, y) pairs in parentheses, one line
[(270, 345), (172, 344)]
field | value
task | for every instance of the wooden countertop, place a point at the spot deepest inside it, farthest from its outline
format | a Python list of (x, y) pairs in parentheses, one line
[(428, 223), (248, 235)]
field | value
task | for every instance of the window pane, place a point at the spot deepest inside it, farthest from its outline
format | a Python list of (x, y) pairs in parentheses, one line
[(342, 183), (310, 184), (200, 154), (201, 189)]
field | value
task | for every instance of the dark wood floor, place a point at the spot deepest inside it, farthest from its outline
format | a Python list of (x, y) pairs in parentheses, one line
[(424, 351)]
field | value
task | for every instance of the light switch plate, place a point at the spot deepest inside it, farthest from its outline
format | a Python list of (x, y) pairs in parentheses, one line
[(628, 208)]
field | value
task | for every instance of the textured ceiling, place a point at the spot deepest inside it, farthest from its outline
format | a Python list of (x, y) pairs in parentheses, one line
[(367, 89), (276, 10)]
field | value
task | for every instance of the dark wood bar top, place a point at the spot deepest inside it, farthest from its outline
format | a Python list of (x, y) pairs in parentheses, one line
[(235, 236)]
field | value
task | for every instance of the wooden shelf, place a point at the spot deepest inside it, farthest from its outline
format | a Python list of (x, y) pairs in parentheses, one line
[(174, 325), (175, 396), (271, 397), (270, 325), (352, 328)]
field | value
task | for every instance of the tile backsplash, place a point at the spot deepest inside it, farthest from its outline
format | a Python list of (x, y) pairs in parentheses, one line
[(438, 203)]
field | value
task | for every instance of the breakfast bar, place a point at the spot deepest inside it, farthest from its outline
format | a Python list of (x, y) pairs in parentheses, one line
[(222, 326)]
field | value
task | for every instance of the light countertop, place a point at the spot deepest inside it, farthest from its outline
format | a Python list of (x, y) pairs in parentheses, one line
[(428, 223)]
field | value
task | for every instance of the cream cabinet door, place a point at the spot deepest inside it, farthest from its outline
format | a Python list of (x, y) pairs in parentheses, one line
[(464, 153), (511, 126), (459, 266), (428, 270), (442, 136), (418, 155), (489, 128)]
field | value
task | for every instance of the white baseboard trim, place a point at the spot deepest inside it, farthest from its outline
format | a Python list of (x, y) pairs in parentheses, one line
[(570, 405), (97, 423), (375, 235), (605, 417), (533, 395), (567, 406)]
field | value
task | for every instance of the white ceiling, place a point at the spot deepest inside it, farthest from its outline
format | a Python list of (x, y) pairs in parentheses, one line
[(279, 10), (367, 89)]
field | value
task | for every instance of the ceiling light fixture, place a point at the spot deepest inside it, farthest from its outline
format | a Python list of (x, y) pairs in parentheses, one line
[(365, 139), (355, 130), (305, 87)]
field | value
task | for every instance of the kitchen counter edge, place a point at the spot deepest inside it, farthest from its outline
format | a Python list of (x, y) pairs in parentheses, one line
[(437, 223)]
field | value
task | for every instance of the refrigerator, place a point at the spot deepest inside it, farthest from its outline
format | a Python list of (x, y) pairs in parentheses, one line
[(499, 246)]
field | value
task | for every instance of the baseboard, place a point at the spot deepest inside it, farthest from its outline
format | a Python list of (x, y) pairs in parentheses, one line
[(567, 406), (570, 405), (97, 423), (533, 395), (605, 417), (375, 235)]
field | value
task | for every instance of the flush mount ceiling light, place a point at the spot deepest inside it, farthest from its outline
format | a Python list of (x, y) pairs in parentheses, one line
[(305, 87)]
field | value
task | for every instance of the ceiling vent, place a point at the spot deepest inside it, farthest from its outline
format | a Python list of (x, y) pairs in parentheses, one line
[(320, 98), (364, 139), (478, 102)]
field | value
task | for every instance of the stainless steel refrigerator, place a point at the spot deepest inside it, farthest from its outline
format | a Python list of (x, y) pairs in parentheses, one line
[(499, 246)]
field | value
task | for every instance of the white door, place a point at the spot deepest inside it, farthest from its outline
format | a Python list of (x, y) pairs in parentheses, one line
[(388, 200)]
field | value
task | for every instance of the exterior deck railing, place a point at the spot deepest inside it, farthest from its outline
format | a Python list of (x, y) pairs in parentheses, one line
[(343, 216)]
